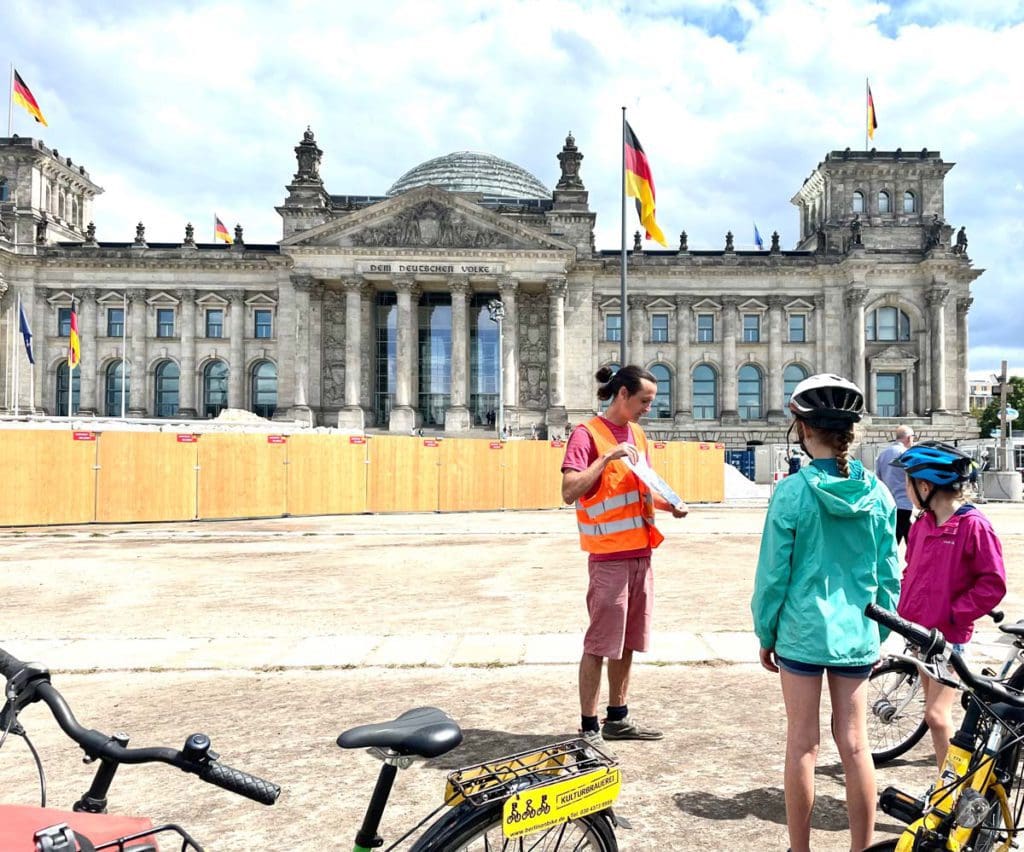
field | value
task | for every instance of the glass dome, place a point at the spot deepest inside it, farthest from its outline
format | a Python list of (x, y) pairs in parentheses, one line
[(473, 171)]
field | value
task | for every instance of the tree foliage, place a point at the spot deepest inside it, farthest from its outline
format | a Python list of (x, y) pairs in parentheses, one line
[(989, 418)]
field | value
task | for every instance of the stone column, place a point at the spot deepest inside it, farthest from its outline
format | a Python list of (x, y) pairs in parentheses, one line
[(303, 285), (775, 383), (403, 415), (684, 327), (636, 329), (963, 305), (507, 289), (819, 335), (187, 365), (556, 414), (910, 401), (46, 382), (855, 308), (730, 400), (236, 349), (352, 415), (456, 417), (136, 379), (937, 309), (89, 362)]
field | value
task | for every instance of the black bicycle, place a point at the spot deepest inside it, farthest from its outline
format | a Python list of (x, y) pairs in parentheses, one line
[(28, 683)]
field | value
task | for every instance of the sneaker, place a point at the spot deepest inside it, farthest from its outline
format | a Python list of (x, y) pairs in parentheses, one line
[(628, 729), (595, 739)]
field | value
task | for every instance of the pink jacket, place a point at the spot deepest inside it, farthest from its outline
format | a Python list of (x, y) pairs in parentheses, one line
[(954, 573)]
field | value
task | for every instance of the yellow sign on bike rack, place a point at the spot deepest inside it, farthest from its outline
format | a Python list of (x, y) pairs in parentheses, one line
[(540, 808)]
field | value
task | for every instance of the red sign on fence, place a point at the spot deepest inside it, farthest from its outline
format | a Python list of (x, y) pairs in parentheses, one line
[(187, 438), (276, 439), (719, 446), (356, 439), (496, 445), (558, 443), (705, 446), (431, 442), (660, 445), (83, 436)]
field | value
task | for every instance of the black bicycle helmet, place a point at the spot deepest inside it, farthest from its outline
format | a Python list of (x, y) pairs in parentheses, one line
[(827, 401), (935, 462)]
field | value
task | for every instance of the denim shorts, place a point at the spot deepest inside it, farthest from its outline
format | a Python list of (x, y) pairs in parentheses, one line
[(813, 670)]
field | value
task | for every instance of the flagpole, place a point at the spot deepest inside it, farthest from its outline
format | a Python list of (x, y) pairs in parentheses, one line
[(17, 365), (7, 384), (867, 114), (124, 345), (623, 313), (71, 369), (10, 104)]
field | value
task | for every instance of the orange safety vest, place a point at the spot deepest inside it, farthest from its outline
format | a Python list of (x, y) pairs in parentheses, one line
[(619, 516)]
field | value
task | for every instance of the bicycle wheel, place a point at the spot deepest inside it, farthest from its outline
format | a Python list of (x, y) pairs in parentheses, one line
[(883, 846), (479, 830), (895, 710)]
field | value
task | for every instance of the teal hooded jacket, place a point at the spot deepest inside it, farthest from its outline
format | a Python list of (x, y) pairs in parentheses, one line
[(828, 549)]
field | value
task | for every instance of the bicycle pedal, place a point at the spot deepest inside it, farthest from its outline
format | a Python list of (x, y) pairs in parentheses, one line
[(900, 805)]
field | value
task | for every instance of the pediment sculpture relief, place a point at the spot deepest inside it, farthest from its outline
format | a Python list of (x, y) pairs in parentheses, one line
[(431, 225)]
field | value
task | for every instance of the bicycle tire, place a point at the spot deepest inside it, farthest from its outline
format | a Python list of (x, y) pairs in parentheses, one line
[(891, 736), (883, 846), (478, 829)]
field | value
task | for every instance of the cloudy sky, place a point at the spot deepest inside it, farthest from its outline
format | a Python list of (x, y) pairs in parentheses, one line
[(182, 109)]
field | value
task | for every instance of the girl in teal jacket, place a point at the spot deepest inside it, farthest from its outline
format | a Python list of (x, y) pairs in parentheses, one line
[(828, 549)]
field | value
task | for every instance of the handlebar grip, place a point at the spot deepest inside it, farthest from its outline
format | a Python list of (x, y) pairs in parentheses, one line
[(9, 666), (931, 642), (996, 615), (241, 783)]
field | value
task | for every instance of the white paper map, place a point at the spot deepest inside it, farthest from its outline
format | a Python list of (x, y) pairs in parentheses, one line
[(649, 478)]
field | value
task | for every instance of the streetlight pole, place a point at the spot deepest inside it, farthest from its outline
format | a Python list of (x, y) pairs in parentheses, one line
[(496, 308)]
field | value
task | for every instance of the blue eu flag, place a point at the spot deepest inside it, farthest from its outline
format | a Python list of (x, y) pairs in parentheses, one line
[(757, 238), (26, 332)]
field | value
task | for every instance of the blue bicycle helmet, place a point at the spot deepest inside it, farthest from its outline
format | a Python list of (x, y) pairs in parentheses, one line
[(935, 462)]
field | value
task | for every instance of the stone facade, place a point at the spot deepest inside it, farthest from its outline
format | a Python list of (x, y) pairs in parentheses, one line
[(369, 311)]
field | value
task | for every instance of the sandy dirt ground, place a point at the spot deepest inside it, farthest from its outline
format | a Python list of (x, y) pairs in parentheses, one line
[(715, 781)]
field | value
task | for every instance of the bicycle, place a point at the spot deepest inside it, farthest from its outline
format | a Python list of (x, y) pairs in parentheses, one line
[(52, 830), (968, 808), (896, 697), (557, 797)]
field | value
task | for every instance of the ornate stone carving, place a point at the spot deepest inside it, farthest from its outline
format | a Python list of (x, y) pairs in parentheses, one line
[(140, 235), (728, 241), (459, 284), (775, 249), (90, 234), (354, 285), (637, 303), (819, 302), (685, 302), (236, 296), (855, 297), (507, 286), (185, 295), (777, 301), (556, 286), (41, 231), (683, 245), (937, 296), (238, 236), (302, 282), (855, 236), (136, 294), (533, 350), (961, 241), (308, 156), (334, 344), (569, 159), (190, 236), (934, 234), (964, 305), (821, 241), (89, 294), (636, 242), (433, 225)]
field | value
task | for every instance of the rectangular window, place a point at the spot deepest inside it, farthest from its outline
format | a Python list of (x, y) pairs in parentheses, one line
[(215, 323), (751, 328), (889, 394), (264, 324), (705, 328), (115, 322), (659, 328), (64, 322), (165, 322), (886, 323), (797, 328), (613, 327)]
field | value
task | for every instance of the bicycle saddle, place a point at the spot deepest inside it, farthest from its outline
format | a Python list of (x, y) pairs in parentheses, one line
[(425, 731), (1016, 629)]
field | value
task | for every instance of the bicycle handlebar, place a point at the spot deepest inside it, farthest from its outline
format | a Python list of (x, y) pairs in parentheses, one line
[(196, 759), (933, 643)]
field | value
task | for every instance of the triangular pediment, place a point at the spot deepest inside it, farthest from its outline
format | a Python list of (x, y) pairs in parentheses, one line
[(111, 298), (895, 355), (610, 304), (62, 297), (426, 218), (212, 300), (799, 305), (753, 305), (260, 300), (162, 298), (707, 305), (660, 304)]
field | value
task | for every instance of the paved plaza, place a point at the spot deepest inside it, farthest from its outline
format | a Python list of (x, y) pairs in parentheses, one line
[(273, 636)]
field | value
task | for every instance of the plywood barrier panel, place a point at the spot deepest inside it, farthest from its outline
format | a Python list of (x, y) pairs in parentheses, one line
[(146, 476), (472, 473), (708, 463), (326, 474), (533, 476), (403, 474), (242, 476), (48, 477)]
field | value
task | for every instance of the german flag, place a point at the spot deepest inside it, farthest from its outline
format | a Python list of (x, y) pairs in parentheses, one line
[(74, 344), (23, 96), (220, 232), (640, 185), (872, 117)]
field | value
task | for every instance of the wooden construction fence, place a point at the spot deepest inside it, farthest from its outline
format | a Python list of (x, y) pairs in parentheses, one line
[(61, 477)]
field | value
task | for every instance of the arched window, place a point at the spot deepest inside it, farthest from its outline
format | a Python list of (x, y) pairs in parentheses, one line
[(113, 387), (604, 403), (264, 389), (75, 218), (791, 377), (750, 382), (662, 405), (858, 202), (167, 386), (909, 202), (887, 324), (215, 388), (883, 202), (60, 205), (62, 390), (705, 392), (3, 188)]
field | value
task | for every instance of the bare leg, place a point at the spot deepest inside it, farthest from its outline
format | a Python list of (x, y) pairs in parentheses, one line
[(618, 679), (802, 694), (590, 683), (849, 710), (938, 713)]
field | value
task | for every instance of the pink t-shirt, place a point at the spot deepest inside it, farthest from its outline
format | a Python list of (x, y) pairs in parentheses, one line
[(581, 453)]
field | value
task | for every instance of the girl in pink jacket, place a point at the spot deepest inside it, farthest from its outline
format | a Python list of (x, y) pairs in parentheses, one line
[(954, 571)]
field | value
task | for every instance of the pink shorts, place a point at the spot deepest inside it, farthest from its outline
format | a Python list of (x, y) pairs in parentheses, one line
[(620, 600)]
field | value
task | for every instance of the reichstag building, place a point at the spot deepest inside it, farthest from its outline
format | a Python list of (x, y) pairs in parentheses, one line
[(372, 311)]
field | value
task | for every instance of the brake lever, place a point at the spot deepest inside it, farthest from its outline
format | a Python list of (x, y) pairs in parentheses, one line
[(930, 669)]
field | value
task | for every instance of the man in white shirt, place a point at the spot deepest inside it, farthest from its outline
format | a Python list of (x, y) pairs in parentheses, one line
[(895, 480)]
